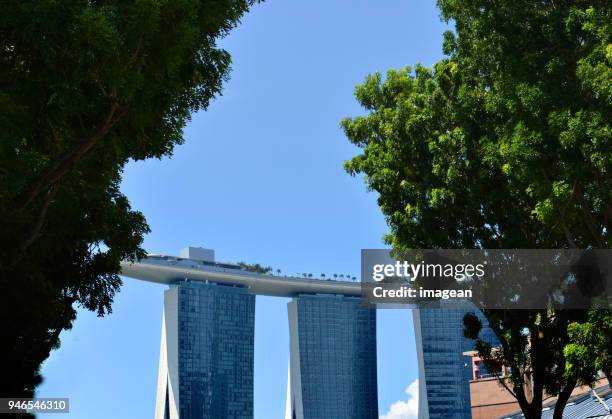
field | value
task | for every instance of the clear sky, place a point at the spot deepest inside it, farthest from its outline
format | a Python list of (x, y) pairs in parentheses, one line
[(260, 179)]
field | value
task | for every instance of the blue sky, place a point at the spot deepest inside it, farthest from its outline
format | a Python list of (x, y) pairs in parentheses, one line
[(260, 179)]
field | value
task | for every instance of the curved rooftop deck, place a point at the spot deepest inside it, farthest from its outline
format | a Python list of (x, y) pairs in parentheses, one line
[(169, 269)]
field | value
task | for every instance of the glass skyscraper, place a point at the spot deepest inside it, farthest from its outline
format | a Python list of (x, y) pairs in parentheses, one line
[(207, 342), (444, 372), (206, 359), (332, 358)]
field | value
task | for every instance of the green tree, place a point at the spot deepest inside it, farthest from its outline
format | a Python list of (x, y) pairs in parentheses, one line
[(255, 267), (505, 143), (85, 87), (590, 348)]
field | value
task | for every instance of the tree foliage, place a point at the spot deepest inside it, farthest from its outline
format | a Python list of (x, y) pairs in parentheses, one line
[(590, 348), (85, 87), (505, 143), (255, 267)]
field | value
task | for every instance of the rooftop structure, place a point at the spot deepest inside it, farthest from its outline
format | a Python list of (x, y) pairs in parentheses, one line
[(588, 404), (167, 270)]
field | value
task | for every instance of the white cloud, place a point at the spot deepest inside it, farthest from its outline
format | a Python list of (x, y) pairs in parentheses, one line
[(406, 409)]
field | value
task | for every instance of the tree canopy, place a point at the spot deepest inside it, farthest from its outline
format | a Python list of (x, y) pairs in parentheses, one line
[(85, 87), (505, 143), (590, 348)]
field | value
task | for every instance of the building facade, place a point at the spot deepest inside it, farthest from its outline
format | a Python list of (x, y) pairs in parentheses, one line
[(332, 370), (206, 356), (207, 345), (444, 372)]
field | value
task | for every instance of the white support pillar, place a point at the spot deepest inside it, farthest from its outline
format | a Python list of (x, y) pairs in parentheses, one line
[(168, 375)]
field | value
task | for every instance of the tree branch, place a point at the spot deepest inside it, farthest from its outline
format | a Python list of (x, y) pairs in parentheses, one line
[(568, 234), (503, 383), (57, 169), (60, 325), (588, 218), (34, 232), (608, 373), (564, 396)]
